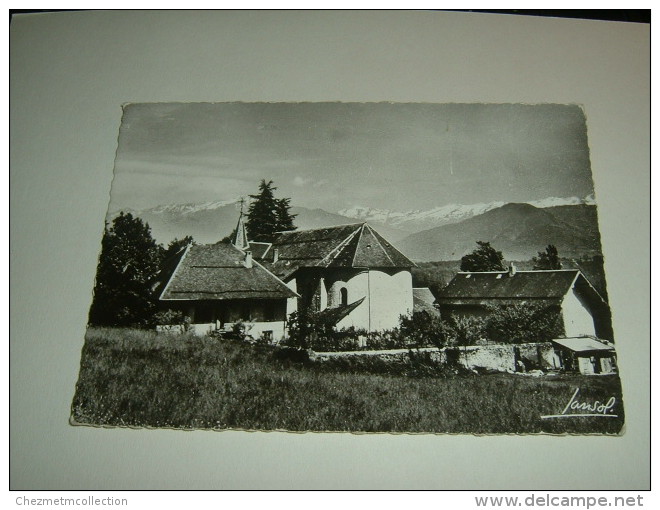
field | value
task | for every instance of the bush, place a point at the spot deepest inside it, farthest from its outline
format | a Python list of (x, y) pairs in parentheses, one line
[(522, 323), (423, 330), (172, 320), (305, 329), (468, 330)]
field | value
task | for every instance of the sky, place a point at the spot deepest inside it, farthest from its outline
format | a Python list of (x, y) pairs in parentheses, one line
[(396, 156)]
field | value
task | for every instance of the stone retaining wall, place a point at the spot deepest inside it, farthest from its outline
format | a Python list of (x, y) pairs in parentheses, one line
[(501, 357)]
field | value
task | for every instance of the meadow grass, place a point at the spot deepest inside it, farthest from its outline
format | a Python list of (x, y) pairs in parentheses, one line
[(140, 378)]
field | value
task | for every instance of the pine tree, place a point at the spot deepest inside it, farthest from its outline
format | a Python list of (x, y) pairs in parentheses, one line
[(262, 214), (129, 260), (284, 216), (267, 214), (548, 259), (484, 258)]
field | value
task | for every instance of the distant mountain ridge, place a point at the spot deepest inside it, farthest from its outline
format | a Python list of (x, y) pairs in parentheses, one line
[(212, 221), (418, 220), (520, 231)]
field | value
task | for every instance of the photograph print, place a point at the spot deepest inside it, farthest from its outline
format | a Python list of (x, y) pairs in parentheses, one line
[(351, 267)]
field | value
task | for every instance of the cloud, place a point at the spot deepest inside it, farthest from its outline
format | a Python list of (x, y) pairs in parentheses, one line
[(301, 182)]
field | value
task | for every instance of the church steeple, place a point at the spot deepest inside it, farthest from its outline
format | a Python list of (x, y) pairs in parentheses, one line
[(241, 240)]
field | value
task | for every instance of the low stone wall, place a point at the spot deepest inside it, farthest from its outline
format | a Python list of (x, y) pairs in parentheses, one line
[(502, 358)]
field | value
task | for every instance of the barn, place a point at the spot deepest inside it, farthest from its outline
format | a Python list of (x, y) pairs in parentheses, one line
[(584, 312)]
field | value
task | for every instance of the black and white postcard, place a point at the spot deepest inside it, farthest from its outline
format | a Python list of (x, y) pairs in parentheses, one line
[(352, 267)]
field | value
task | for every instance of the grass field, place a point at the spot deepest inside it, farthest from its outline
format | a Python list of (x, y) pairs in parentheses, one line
[(140, 378)]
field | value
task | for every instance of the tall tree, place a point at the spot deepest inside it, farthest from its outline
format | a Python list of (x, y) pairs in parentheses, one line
[(548, 259), (262, 214), (284, 216), (129, 259), (484, 258), (267, 214)]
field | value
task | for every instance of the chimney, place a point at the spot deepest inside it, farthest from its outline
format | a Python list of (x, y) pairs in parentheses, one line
[(276, 255), (248, 259), (512, 269)]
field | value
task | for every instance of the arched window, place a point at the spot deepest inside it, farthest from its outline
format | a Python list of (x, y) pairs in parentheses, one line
[(344, 296)]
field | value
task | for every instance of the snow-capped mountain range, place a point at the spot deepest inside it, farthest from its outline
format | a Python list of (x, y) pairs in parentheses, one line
[(210, 221), (415, 221)]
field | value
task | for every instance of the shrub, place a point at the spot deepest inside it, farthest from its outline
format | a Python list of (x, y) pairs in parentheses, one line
[(172, 320), (305, 328), (521, 323), (423, 329), (468, 330)]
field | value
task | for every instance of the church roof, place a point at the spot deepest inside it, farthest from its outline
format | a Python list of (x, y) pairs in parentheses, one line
[(356, 245), (218, 272)]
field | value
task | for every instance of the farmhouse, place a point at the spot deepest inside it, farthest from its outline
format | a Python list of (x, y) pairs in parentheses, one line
[(583, 310), (219, 285), (348, 273)]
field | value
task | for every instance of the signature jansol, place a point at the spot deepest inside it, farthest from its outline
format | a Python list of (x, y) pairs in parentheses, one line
[(575, 408)]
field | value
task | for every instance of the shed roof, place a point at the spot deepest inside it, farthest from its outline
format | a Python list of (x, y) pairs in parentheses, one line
[(218, 272), (503, 285), (583, 344), (423, 300), (357, 245)]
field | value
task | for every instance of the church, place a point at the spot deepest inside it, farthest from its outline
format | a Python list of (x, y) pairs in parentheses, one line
[(349, 274)]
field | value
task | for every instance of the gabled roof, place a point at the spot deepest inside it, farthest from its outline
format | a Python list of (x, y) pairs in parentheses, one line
[(218, 272), (522, 284), (423, 300), (583, 344), (356, 245)]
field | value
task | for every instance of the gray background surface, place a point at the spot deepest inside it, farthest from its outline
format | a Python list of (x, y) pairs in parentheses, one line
[(70, 74)]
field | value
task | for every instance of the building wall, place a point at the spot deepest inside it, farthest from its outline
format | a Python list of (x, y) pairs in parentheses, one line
[(387, 296), (391, 296), (253, 329), (578, 320), (258, 315), (356, 283), (292, 303)]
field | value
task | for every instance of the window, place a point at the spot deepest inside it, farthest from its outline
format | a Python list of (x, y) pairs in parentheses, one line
[(344, 296)]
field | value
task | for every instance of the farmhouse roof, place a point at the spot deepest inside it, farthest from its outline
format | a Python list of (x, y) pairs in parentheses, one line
[(356, 245), (521, 284), (219, 272), (583, 344)]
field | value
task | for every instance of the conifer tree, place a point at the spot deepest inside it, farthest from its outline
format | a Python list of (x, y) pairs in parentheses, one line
[(284, 216), (267, 214), (129, 260)]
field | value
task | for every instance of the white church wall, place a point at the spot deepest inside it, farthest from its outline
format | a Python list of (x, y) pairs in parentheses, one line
[(391, 296), (357, 287)]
